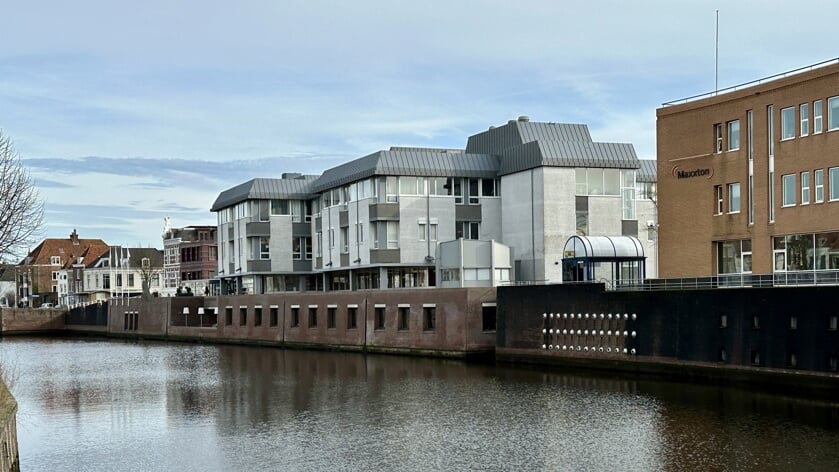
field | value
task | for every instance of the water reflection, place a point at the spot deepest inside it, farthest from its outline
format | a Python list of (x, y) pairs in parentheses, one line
[(105, 405)]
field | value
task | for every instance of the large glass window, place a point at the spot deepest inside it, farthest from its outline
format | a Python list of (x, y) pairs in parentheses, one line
[(817, 117), (834, 183), (788, 186), (733, 135), (392, 189), (734, 257), (734, 198), (787, 123), (627, 183), (832, 113), (599, 181)]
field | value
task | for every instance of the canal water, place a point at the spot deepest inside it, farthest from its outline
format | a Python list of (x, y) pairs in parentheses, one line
[(106, 405)]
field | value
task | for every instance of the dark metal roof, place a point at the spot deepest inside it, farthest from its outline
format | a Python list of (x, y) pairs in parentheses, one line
[(410, 161), (516, 133), (568, 154), (647, 172), (296, 188)]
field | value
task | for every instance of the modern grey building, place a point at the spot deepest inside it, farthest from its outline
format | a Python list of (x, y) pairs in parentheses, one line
[(376, 221)]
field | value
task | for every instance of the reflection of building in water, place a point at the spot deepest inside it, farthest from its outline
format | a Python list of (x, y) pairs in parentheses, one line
[(749, 179)]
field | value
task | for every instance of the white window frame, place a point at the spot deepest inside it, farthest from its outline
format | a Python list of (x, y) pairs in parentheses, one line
[(804, 118), (731, 193), (422, 231), (833, 113), (266, 254), (833, 180), (788, 190), (718, 194), (733, 135), (805, 188), (392, 234), (818, 182), (787, 123), (818, 122), (718, 138)]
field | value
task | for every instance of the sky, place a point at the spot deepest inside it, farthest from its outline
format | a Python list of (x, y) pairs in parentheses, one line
[(127, 112)]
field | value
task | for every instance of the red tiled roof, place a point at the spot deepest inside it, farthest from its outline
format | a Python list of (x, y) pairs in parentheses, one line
[(68, 250)]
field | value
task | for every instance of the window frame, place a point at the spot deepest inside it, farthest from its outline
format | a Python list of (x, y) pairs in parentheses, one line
[(733, 135), (719, 196), (818, 184), (788, 190), (731, 197), (818, 117), (833, 113), (833, 184), (787, 123), (718, 138), (805, 187), (804, 119)]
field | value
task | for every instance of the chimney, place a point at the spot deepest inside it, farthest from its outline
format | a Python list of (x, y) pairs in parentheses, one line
[(74, 237)]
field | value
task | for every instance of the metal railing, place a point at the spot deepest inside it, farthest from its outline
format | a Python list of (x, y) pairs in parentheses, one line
[(749, 84), (778, 279)]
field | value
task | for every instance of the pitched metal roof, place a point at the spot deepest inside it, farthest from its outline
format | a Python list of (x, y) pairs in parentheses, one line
[(516, 133), (568, 154), (295, 188), (419, 162), (647, 172)]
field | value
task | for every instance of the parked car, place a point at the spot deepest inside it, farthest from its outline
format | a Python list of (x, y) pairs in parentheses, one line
[(47, 305)]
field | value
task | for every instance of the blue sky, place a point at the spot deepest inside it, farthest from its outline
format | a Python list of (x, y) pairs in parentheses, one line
[(127, 112)]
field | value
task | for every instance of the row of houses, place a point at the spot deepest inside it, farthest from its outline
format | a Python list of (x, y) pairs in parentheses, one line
[(74, 270)]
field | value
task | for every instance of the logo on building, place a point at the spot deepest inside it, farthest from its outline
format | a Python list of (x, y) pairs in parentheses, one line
[(706, 172)]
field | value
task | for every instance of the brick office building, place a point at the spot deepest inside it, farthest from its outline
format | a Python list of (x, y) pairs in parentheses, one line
[(749, 179)]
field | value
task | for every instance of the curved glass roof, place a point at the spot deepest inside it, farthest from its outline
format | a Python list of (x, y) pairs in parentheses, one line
[(603, 247)]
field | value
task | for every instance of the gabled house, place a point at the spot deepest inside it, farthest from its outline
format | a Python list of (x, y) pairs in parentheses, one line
[(52, 265), (121, 271)]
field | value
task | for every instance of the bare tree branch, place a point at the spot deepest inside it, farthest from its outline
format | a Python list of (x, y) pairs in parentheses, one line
[(21, 209)]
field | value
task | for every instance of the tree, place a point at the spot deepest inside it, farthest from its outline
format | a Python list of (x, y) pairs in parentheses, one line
[(21, 209)]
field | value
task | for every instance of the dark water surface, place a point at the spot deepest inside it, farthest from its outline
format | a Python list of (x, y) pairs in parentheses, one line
[(114, 405)]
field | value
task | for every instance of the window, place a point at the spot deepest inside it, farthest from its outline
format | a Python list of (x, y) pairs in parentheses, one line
[(450, 275), (380, 317), (582, 223), (804, 116), (455, 187), (489, 188), (832, 113), (330, 317), (257, 316), (723, 321), (432, 231), (392, 234), (734, 257), (352, 317), (404, 317), (243, 316), (264, 210), (429, 318), (307, 247), (627, 183), (755, 322), (313, 316), (792, 360), (833, 323), (719, 199), (787, 123), (228, 316), (723, 355), (295, 316), (275, 316), (817, 117), (55, 275), (818, 176), (374, 235), (834, 183), (805, 188), (422, 231), (359, 233), (280, 207), (264, 252), (392, 189), (733, 135), (467, 230), (345, 245), (755, 357), (793, 322), (771, 196), (718, 138), (734, 198), (473, 192), (788, 187)]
